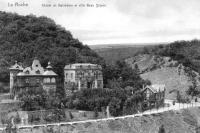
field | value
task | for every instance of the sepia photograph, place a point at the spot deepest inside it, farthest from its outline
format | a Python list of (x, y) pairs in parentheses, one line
[(99, 66)]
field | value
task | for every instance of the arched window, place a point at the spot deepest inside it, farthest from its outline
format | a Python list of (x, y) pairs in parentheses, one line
[(48, 80), (44, 80), (53, 80), (27, 72)]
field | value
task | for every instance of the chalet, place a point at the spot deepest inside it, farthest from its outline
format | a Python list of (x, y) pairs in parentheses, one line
[(32, 76), (154, 94)]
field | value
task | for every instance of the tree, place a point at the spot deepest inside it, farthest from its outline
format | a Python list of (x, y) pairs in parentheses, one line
[(33, 98), (115, 105), (70, 115), (96, 113)]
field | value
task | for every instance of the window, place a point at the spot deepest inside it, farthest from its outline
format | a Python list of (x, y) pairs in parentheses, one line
[(37, 72), (44, 80), (38, 80), (71, 75), (48, 80), (66, 75), (147, 94), (53, 80), (99, 84), (82, 84), (27, 72), (27, 80)]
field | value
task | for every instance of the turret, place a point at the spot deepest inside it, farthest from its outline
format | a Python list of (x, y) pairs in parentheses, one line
[(14, 70), (49, 81)]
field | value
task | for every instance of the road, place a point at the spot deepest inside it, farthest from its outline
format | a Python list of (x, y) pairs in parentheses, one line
[(177, 106)]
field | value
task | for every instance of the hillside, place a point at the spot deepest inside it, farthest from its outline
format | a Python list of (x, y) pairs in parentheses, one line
[(183, 121), (164, 70), (24, 37), (185, 52)]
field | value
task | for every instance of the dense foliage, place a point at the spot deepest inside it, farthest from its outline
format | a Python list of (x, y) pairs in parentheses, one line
[(24, 37), (185, 52), (121, 75), (36, 98), (120, 101)]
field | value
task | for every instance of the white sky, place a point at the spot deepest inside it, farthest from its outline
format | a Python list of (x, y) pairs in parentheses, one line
[(121, 21)]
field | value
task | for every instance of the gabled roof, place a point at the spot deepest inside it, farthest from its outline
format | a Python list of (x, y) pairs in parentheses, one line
[(16, 66), (49, 73), (155, 88)]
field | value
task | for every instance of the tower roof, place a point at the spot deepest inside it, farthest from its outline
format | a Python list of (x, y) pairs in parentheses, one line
[(16, 66), (49, 66), (49, 71)]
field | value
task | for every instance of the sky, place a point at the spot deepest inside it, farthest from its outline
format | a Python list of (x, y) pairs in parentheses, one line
[(119, 21)]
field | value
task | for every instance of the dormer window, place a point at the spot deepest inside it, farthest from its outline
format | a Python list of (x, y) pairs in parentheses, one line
[(27, 72), (37, 72)]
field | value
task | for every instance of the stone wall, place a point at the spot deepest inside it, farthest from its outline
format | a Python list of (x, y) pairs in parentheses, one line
[(47, 116)]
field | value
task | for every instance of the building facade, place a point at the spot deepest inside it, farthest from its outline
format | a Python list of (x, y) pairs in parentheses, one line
[(154, 95), (33, 76), (82, 76)]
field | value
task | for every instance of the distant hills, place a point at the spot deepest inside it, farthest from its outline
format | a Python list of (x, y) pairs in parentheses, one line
[(113, 52)]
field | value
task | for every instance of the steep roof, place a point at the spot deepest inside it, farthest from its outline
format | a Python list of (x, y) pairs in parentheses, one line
[(49, 71), (156, 88), (36, 69)]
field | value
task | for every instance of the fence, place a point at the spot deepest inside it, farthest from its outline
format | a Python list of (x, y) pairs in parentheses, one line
[(46, 116)]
